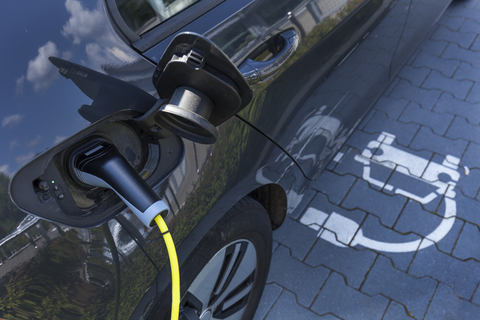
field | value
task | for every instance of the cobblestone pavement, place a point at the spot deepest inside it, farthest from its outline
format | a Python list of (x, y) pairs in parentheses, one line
[(391, 229)]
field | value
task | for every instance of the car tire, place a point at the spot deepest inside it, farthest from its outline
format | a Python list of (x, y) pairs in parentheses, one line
[(226, 275), (237, 250)]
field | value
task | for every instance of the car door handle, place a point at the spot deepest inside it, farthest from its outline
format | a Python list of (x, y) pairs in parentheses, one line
[(255, 71)]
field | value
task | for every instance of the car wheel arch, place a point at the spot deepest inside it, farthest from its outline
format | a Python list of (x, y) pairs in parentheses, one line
[(274, 199)]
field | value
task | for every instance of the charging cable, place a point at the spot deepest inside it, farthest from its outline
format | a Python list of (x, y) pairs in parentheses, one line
[(100, 164), (172, 256)]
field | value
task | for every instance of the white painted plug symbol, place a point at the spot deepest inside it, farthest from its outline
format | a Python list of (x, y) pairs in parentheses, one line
[(342, 231)]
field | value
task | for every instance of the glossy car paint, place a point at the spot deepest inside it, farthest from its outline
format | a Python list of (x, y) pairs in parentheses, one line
[(298, 119)]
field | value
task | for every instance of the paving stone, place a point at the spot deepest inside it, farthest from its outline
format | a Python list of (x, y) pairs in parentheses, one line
[(396, 311), (335, 186), (274, 246), (457, 9), (412, 292), (476, 45), (386, 207), (416, 75), (352, 264), (470, 26), (354, 164), (348, 303), (286, 308), (414, 188), (453, 23), (428, 60), (446, 305), (427, 140), (425, 97), (324, 208), (459, 88), (469, 3), (466, 71), (384, 238), (404, 132), (438, 122), (474, 95), (392, 86), (470, 184), (453, 51), (445, 268), (471, 157), (460, 128), (448, 103), (392, 107), (464, 248), (295, 276), (435, 47), (447, 244), (412, 162), (295, 236), (444, 168), (366, 119), (461, 38), (467, 208), (434, 27), (270, 294), (476, 297), (419, 221), (360, 139)]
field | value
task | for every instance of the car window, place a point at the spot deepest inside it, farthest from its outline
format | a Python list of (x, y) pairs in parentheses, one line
[(142, 15)]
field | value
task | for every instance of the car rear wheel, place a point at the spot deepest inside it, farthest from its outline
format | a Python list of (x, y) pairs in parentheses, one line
[(226, 274)]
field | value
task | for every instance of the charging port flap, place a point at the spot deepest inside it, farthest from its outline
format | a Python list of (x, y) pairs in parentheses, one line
[(204, 87)]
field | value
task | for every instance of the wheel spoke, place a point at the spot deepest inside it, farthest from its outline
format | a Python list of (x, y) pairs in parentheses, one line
[(238, 294), (234, 316), (204, 284), (224, 284), (231, 257), (234, 303), (235, 292)]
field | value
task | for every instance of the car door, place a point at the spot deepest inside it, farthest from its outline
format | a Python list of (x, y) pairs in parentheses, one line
[(315, 66), (311, 101)]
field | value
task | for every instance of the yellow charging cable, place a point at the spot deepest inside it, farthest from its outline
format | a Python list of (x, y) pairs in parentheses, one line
[(172, 255)]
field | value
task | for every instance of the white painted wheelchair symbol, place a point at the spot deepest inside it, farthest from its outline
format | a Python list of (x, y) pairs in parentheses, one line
[(342, 231)]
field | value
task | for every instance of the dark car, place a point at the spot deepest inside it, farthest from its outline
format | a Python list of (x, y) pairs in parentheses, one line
[(225, 110)]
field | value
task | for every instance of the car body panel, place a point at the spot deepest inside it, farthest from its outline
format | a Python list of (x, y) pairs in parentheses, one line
[(281, 108), (105, 270), (311, 118)]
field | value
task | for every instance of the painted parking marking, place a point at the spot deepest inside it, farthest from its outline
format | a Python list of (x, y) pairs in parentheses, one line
[(342, 231)]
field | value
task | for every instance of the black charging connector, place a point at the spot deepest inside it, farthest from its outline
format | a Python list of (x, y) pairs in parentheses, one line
[(100, 164)]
